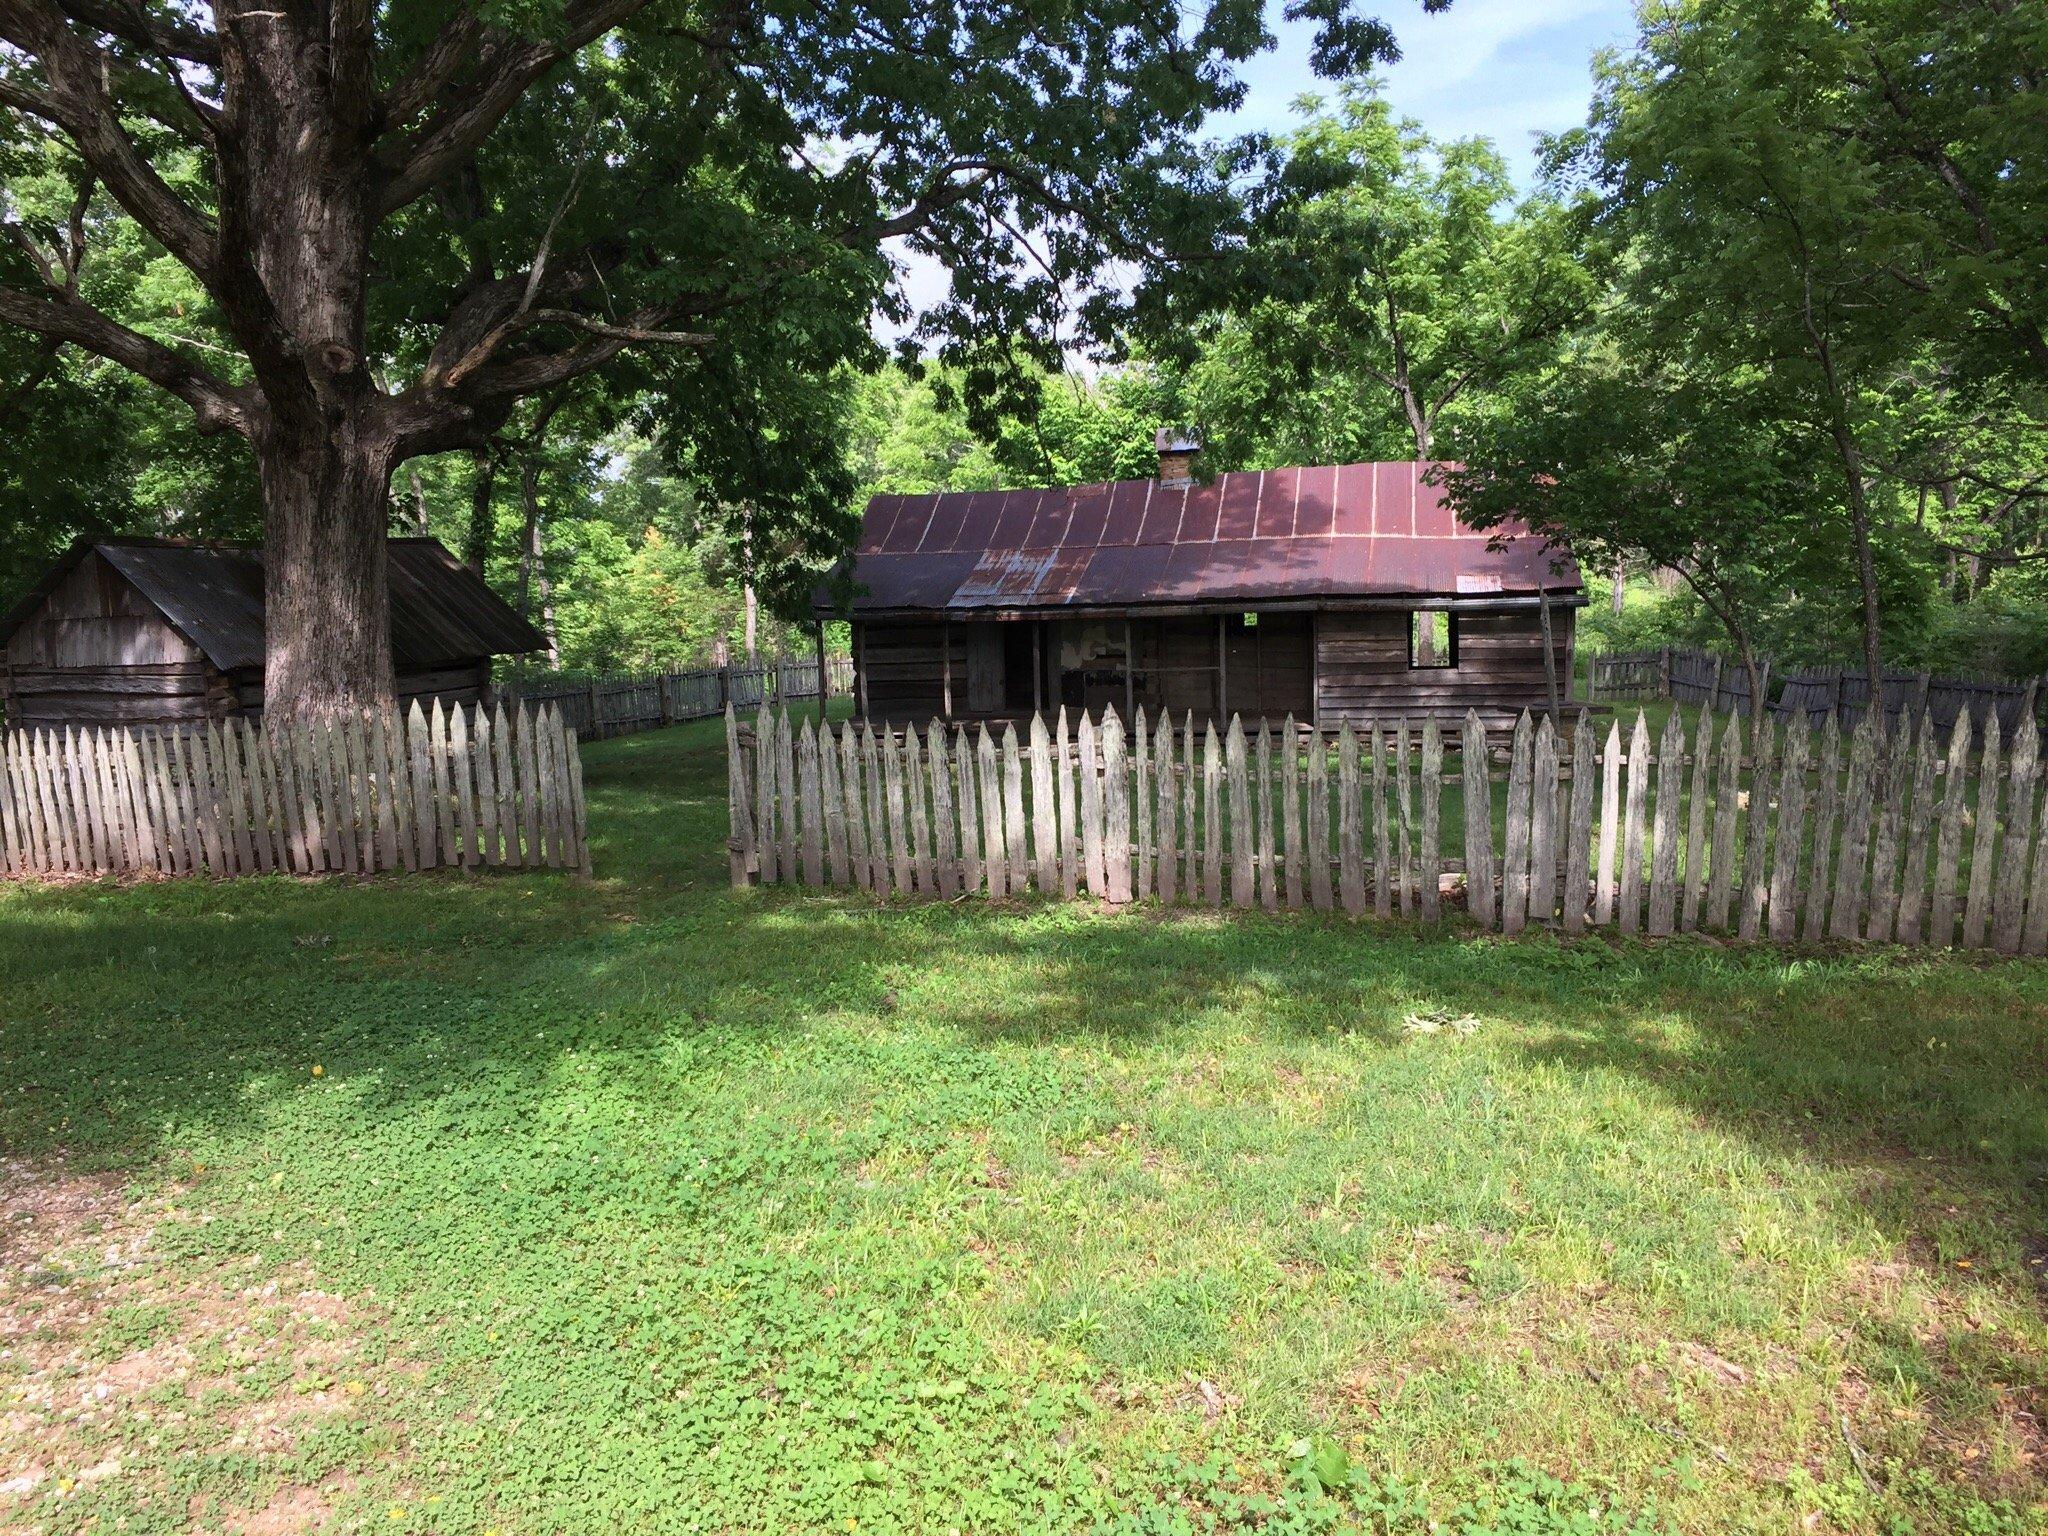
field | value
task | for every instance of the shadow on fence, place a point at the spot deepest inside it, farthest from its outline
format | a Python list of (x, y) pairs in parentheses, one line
[(1879, 832), (1688, 676), (597, 708), (357, 795)]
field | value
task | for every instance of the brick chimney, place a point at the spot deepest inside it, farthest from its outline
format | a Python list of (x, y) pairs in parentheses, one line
[(1177, 450)]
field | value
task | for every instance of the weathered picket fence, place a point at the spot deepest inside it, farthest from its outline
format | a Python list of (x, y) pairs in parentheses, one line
[(598, 708), (1766, 831), (1686, 675), (365, 793)]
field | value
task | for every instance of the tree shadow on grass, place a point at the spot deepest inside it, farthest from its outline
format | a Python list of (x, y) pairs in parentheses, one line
[(134, 1018)]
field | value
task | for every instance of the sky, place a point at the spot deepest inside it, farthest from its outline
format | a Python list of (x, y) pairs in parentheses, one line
[(1507, 70), (1503, 69)]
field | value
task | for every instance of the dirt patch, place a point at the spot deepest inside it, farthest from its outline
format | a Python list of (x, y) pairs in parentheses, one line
[(122, 1371)]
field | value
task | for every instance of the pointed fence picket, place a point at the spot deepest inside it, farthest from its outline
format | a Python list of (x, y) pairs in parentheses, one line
[(352, 795), (1753, 827)]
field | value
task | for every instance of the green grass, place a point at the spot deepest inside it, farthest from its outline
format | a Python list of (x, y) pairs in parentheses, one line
[(645, 1204)]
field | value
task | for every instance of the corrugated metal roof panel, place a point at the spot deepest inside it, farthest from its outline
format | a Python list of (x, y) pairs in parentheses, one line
[(1328, 531)]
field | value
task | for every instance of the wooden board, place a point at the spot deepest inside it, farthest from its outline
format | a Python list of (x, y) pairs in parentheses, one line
[(1212, 817), (1094, 872), (1578, 837), (1045, 816), (1629, 895), (1543, 831), (1663, 914), (1941, 917), (1478, 795), (1317, 854), (1826, 815), (1243, 853), (1983, 842), (1269, 894), (2009, 885), (1728, 792), (1757, 832), (1432, 819), (1291, 846), (1116, 810), (1013, 811), (1783, 899), (1514, 879), (1894, 792), (1699, 801), (1350, 838), (1610, 826), (1167, 811)]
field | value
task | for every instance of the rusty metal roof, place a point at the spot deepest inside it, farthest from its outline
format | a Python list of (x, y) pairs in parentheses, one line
[(1329, 532), (441, 611)]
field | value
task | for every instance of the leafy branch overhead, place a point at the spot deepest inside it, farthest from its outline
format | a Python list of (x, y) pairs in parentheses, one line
[(401, 219)]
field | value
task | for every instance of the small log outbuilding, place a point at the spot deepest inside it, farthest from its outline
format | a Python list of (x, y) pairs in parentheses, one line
[(164, 631), (1333, 593)]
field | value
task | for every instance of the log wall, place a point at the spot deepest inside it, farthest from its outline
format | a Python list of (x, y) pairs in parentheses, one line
[(1362, 671)]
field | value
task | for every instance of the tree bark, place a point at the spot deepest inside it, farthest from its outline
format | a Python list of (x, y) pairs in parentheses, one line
[(476, 545), (419, 503), (533, 565), (1617, 595), (327, 598)]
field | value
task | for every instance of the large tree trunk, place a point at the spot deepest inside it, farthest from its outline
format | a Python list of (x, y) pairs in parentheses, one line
[(294, 236), (327, 600)]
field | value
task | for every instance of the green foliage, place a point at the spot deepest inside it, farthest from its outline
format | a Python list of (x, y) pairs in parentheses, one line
[(642, 1203), (1390, 287)]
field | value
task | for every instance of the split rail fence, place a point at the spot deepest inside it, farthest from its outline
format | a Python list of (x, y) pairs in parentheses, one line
[(601, 707), (1915, 835), (374, 792)]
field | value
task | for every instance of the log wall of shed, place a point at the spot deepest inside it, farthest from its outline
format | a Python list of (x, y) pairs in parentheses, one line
[(98, 652), (1363, 671)]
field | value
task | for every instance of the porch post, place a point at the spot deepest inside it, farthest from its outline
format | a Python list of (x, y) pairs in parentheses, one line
[(946, 664), (824, 677), (1550, 654), (1130, 687), (1038, 666), (860, 664), (1222, 675)]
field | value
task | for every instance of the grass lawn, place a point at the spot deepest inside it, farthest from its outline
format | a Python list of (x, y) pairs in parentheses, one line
[(525, 1205)]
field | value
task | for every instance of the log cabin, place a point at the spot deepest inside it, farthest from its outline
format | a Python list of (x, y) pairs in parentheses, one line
[(1330, 593), (165, 631)]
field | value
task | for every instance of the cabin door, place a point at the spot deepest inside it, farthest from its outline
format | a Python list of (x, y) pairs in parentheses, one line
[(984, 669)]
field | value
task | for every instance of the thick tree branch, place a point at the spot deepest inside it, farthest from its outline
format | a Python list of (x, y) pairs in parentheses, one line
[(77, 102), (218, 405), (434, 70), (510, 66), (130, 23)]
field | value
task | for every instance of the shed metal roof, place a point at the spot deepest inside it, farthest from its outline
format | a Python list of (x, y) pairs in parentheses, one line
[(441, 611), (1328, 532)]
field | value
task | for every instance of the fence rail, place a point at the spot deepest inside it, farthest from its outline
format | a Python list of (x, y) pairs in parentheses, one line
[(1690, 676), (601, 707), (358, 795), (1875, 832)]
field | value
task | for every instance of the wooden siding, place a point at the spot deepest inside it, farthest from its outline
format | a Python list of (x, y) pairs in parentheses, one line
[(901, 668), (1362, 670), (98, 652), (1330, 666)]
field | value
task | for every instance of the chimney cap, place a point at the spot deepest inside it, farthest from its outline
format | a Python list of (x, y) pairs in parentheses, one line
[(1177, 440)]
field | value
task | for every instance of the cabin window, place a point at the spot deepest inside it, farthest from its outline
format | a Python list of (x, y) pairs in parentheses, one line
[(1432, 639)]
